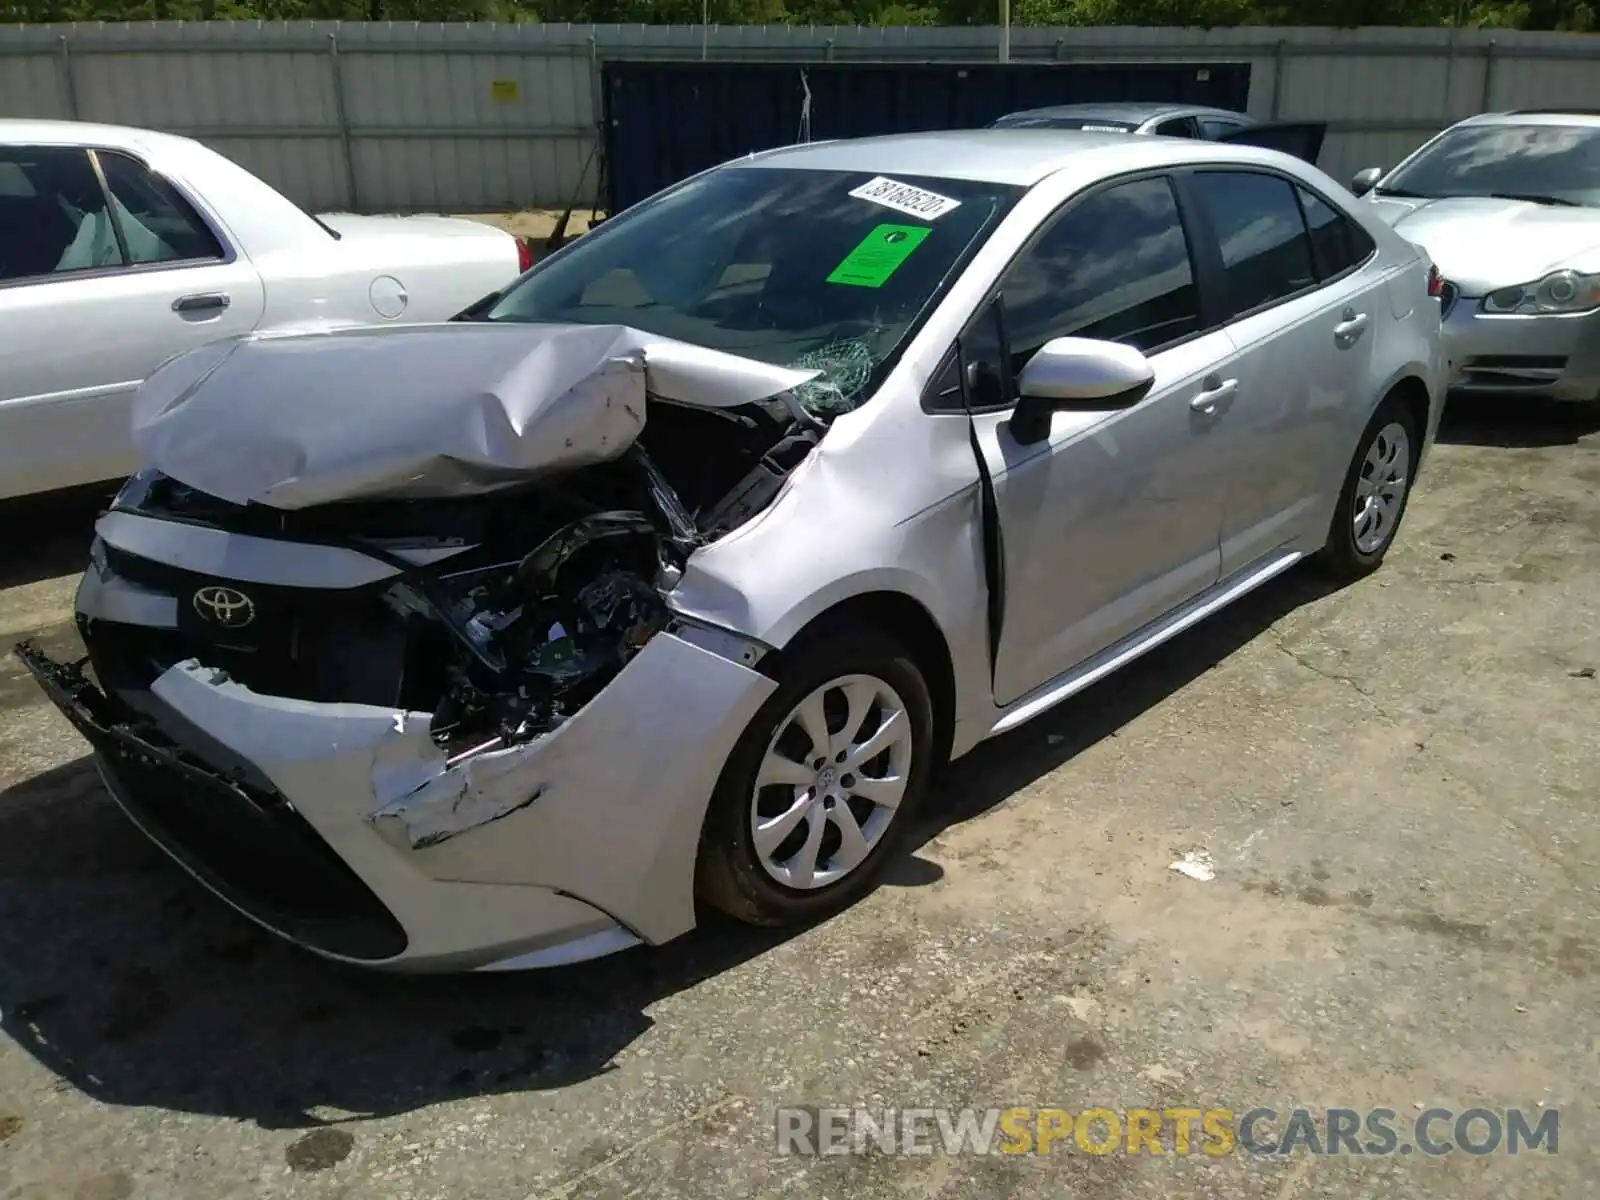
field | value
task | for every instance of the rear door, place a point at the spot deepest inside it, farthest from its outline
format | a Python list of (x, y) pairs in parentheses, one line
[(1300, 310), (1302, 139), (106, 270)]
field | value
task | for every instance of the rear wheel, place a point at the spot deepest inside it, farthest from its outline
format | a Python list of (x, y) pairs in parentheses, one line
[(1376, 489), (822, 785)]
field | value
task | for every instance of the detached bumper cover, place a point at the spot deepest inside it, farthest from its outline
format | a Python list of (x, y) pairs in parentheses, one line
[(234, 833), (342, 828)]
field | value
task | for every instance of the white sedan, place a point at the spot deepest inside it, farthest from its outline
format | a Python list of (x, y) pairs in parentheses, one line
[(120, 248)]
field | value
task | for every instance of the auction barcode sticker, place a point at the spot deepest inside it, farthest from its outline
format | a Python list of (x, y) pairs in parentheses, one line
[(902, 197)]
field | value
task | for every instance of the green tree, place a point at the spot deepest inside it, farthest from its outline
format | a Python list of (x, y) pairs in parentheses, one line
[(1577, 15)]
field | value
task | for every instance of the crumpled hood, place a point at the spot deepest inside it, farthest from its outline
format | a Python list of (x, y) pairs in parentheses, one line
[(1480, 243), (403, 412)]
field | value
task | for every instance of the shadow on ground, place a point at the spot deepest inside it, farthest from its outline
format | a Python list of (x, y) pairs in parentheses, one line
[(42, 537), (136, 987), (1516, 421)]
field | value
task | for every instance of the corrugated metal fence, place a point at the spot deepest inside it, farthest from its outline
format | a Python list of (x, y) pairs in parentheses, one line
[(667, 121), (482, 117)]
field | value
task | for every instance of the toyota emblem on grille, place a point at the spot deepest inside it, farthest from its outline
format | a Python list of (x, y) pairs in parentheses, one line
[(225, 607)]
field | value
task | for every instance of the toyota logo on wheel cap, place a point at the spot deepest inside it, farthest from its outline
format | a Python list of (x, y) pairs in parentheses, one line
[(225, 607)]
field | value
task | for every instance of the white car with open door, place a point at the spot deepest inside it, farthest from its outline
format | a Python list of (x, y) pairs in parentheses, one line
[(121, 247), (1303, 139)]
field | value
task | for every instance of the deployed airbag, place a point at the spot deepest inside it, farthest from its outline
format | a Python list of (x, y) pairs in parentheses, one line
[(405, 412)]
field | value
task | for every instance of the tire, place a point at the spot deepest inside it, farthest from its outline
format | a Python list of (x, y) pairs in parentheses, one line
[(1354, 551), (761, 879)]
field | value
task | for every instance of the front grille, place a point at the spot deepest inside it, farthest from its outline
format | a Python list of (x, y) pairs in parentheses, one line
[(1518, 362), (1512, 370), (325, 646)]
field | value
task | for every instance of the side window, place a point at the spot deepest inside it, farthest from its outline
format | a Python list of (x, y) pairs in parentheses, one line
[(1177, 127), (1212, 128), (157, 223), (983, 362), (1114, 265), (1266, 255), (1337, 243), (974, 374), (52, 214)]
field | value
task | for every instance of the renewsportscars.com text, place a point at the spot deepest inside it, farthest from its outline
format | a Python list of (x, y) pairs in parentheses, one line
[(1434, 1132)]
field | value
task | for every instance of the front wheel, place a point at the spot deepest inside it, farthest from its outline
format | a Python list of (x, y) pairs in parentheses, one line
[(822, 785), (1376, 489)]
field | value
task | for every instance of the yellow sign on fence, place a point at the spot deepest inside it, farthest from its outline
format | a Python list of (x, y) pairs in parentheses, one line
[(503, 91)]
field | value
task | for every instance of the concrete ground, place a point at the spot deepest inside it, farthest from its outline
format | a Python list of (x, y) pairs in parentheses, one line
[(1397, 785)]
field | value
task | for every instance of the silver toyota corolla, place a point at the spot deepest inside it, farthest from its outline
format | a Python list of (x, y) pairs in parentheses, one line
[(672, 573), (1508, 207)]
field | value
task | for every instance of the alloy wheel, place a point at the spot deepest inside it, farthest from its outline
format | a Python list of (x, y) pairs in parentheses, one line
[(830, 783), (1381, 487)]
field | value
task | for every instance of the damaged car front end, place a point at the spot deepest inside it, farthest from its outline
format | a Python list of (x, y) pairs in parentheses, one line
[(414, 644), (308, 650)]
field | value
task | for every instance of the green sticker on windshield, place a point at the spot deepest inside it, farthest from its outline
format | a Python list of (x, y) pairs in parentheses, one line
[(879, 255)]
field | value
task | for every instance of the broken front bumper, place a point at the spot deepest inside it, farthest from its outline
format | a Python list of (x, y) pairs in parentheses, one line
[(342, 828)]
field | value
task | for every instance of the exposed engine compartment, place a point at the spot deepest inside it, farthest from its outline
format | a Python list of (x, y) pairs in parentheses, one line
[(528, 600)]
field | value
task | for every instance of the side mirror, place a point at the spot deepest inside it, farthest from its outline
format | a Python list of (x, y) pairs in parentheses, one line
[(1365, 181), (1080, 374)]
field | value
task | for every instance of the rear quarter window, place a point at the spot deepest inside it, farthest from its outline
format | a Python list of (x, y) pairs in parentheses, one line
[(1337, 243)]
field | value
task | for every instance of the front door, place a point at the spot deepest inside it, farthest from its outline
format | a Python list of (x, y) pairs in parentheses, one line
[(1112, 520), (90, 305)]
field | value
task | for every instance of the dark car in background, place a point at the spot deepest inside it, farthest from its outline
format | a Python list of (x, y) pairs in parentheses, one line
[(1303, 139)]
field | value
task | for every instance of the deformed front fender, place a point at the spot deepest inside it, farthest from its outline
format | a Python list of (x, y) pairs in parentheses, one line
[(608, 808), (848, 524)]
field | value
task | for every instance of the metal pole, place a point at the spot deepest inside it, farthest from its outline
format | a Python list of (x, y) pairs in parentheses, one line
[(1280, 56), (705, 26), (68, 80), (1005, 31), (344, 122), (597, 101), (1488, 77), (1449, 105)]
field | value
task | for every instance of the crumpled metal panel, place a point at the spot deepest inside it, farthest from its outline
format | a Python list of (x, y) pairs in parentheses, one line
[(296, 420)]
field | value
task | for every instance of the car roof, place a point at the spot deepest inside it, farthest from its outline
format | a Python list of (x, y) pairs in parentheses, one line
[(1019, 157), (1132, 112), (1586, 117), (22, 131)]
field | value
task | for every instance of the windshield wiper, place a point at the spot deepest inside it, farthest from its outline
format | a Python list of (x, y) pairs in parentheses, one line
[(1402, 193), (1536, 198)]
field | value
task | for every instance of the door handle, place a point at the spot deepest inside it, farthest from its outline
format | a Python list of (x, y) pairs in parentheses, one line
[(202, 303), (1350, 327), (1214, 393)]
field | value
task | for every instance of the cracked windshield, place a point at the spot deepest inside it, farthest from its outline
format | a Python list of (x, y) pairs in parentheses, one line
[(821, 270)]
